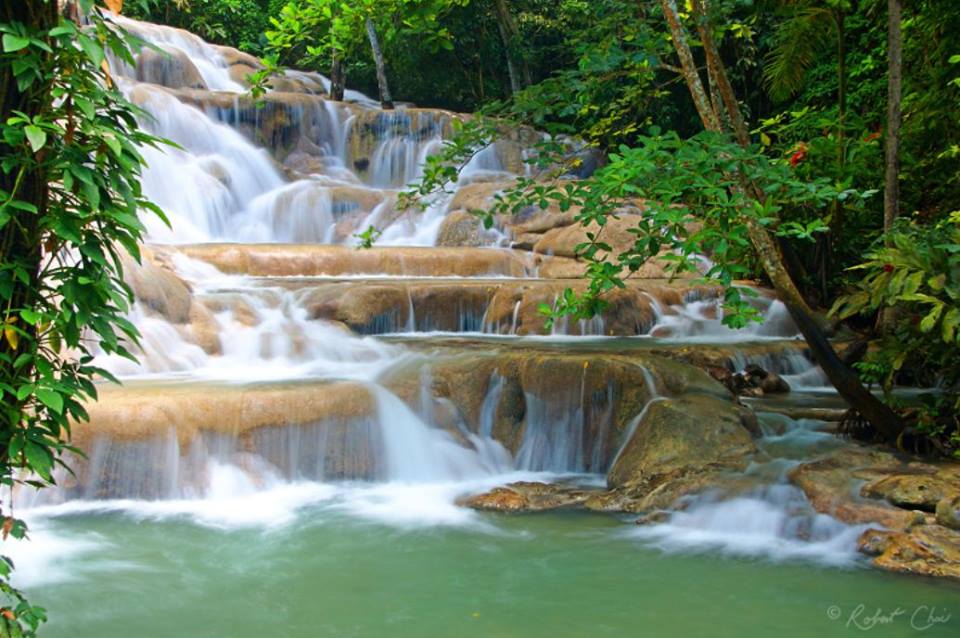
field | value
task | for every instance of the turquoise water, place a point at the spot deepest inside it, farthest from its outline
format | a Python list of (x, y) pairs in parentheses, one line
[(330, 572)]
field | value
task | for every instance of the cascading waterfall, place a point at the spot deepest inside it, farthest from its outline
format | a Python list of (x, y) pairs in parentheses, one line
[(221, 328)]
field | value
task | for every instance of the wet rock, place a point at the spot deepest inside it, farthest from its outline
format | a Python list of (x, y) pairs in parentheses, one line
[(654, 518), (171, 68), (948, 512), (773, 383), (204, 330), (683, 433), (239, 73), (147, 411), (526, 394), (240, 309), (749, 420), (911, 491), (563, 241), (831, 485), (460, 228), (268, 260), (526, 496), (158, 288), (680, 446), (300, 165), (499, 499), (232, 56), (477, 196), (378, 307), (928, 550)]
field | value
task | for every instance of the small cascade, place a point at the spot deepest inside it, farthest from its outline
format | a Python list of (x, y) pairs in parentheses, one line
[(794, 366), (652, 397), (416, 452), (567, 433), (299, 213), (204, 186), (774, 521), (186, 54), (490, 402), (702, 320), (554, 437)]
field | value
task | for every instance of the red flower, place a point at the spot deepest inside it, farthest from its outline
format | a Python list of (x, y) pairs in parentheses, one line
[(888, 268), (799, 156)]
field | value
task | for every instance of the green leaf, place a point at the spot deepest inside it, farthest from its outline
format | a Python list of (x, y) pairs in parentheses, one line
[(38, 458), (13, 42), (92, 48), (950, 322), (36, 136), (928, 322), (51, 399)]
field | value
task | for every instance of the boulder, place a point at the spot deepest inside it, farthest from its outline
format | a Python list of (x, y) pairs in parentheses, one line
[(773, 383), (171, 68), (239, 73), (928, 550), (158, 288), (526, 496), (830, 485), (460, 228), (678, 447), (232, 57), (204, 330), (911, 491), (683, 434), (563, 241), (948, 512)]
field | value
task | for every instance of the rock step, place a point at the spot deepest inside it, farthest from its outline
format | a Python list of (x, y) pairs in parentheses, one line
[(285, 260), (552, 411), (498, 306)]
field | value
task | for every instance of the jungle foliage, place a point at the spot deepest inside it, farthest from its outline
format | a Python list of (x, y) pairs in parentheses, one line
[(70, 198)]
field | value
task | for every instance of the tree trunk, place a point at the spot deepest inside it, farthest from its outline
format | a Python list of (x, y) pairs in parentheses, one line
[(891, 191), (337, 78), (846, 382), (386, 102), (510, 35), (20, 238), (719, 71), (710, 119), (837, 226), (515, 82)]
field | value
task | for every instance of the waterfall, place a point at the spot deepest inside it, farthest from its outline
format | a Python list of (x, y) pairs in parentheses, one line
[(261, 388)]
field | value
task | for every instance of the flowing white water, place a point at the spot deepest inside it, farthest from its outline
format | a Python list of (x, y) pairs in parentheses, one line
[(203, 57), (774, 522)]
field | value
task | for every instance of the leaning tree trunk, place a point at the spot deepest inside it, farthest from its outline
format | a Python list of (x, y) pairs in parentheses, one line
[(846, 382), (891, 191), (386, 102), (700, 100), (338, 78), (510, 35)]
